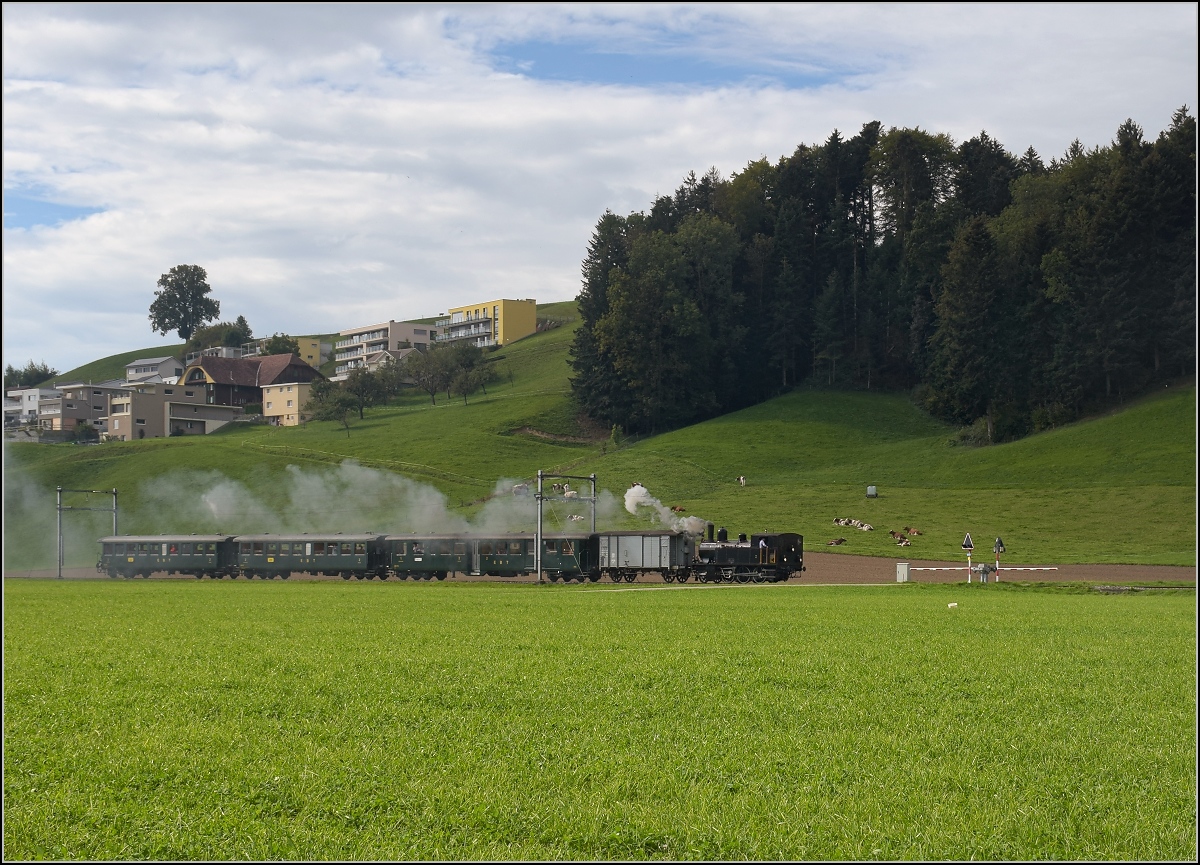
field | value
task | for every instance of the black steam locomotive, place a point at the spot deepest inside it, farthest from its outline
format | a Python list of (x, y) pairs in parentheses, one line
[(616, 555)]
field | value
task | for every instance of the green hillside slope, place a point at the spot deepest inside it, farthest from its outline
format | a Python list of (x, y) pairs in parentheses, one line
[(113, 366), (1115, 489)]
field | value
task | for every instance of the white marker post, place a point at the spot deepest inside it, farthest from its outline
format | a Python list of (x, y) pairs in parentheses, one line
[(969, 546)]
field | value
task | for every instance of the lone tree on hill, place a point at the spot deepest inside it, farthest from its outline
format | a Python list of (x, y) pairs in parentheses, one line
[(181, 305)]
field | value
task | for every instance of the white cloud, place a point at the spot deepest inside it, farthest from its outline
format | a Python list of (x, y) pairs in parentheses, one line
[(334, 165)]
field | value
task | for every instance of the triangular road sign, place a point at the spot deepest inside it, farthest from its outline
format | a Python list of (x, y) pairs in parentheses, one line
[(967, 543)]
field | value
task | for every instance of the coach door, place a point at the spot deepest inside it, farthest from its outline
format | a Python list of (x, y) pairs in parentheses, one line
[(475, 558)]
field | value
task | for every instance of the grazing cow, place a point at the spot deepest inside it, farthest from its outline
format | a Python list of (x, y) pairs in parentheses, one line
[(836, 542), (903, 542), (913, 531), (575, 517), (866, 527), (570, 494), (678, 509), (741, 479), (896, 536)]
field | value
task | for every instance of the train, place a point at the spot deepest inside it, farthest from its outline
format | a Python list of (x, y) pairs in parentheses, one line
[(619, 556)]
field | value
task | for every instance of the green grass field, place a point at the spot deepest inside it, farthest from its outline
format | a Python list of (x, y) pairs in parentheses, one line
[(1115, 489), (184, 720)]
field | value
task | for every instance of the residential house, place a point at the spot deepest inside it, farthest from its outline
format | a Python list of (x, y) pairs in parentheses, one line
[(215, 351), (153, 369), (162, 409), (239, 381), (28, 399), (496, 322), (79, 403), (359, 343), (311, 350), (283, 402)]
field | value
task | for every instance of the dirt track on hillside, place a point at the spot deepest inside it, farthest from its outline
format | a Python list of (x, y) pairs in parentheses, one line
[(826, 569)]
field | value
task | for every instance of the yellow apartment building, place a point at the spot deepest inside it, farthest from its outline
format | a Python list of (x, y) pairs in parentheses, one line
[(282, 403), (495, 322)]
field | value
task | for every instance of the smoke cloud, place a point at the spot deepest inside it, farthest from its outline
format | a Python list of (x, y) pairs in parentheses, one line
[(348, 498), (637, 496)]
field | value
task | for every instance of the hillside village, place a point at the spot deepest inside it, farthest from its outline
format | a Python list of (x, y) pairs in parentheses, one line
[(209, 388)]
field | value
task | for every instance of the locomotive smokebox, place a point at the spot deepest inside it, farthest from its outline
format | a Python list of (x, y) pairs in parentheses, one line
[(742, 538), (722, 535), (710, 532)]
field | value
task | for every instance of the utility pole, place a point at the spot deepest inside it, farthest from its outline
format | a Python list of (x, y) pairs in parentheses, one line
[(60, 507)]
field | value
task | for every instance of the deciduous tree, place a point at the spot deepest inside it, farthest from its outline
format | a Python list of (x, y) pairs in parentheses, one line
[(182, 303)]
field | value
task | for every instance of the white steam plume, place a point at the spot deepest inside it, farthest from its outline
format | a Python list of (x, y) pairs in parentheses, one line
[(637, 496)]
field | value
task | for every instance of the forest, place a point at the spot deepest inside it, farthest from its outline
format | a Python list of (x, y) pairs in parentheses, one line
[(1006, 294)]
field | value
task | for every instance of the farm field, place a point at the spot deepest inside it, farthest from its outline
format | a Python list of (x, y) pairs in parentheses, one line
[(1113, 489), (187, 719)]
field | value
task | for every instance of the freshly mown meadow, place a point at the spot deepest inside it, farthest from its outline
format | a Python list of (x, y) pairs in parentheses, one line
[(180, 720)]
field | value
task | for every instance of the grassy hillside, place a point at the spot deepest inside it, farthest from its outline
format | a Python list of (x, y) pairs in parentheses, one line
[(113, 366), (1115, 489)]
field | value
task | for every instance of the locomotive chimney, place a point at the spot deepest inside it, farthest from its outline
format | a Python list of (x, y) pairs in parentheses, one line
[(710, 532), (742, 538), (722, 535)]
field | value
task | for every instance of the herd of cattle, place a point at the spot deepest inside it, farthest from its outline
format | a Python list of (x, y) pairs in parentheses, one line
[(901, 538)]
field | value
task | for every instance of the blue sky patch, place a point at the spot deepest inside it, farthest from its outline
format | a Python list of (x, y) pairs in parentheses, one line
[(21, 211), (582, 62)]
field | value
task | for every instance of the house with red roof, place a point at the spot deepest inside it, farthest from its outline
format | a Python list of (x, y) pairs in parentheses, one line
[(240, 380)]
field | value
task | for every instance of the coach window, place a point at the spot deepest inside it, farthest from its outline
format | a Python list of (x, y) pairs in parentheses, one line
[(418, 548), (318, 548), (485, 549), (360, 549), (143, 549), (331, 548), (186, 549), (285, 549), (460, 549), (568, 548), (514, 547), (108, 549), (400, 548), (245, 548), (551, 547), (272, 549), (347, 549), (212, 549), (258, 548), (173, 549)]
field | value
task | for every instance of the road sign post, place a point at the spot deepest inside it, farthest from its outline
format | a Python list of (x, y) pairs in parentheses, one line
[(969, 546), (998, 548)]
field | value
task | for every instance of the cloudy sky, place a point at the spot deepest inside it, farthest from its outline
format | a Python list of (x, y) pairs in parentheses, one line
[(333, 166)]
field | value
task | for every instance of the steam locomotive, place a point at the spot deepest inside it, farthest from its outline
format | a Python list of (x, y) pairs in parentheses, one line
[(615, 555)]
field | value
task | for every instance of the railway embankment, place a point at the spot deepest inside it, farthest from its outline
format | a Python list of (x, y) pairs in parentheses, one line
[(825, 569)]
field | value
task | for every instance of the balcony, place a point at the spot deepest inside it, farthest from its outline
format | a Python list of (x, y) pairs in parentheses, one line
[(361, 338)]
